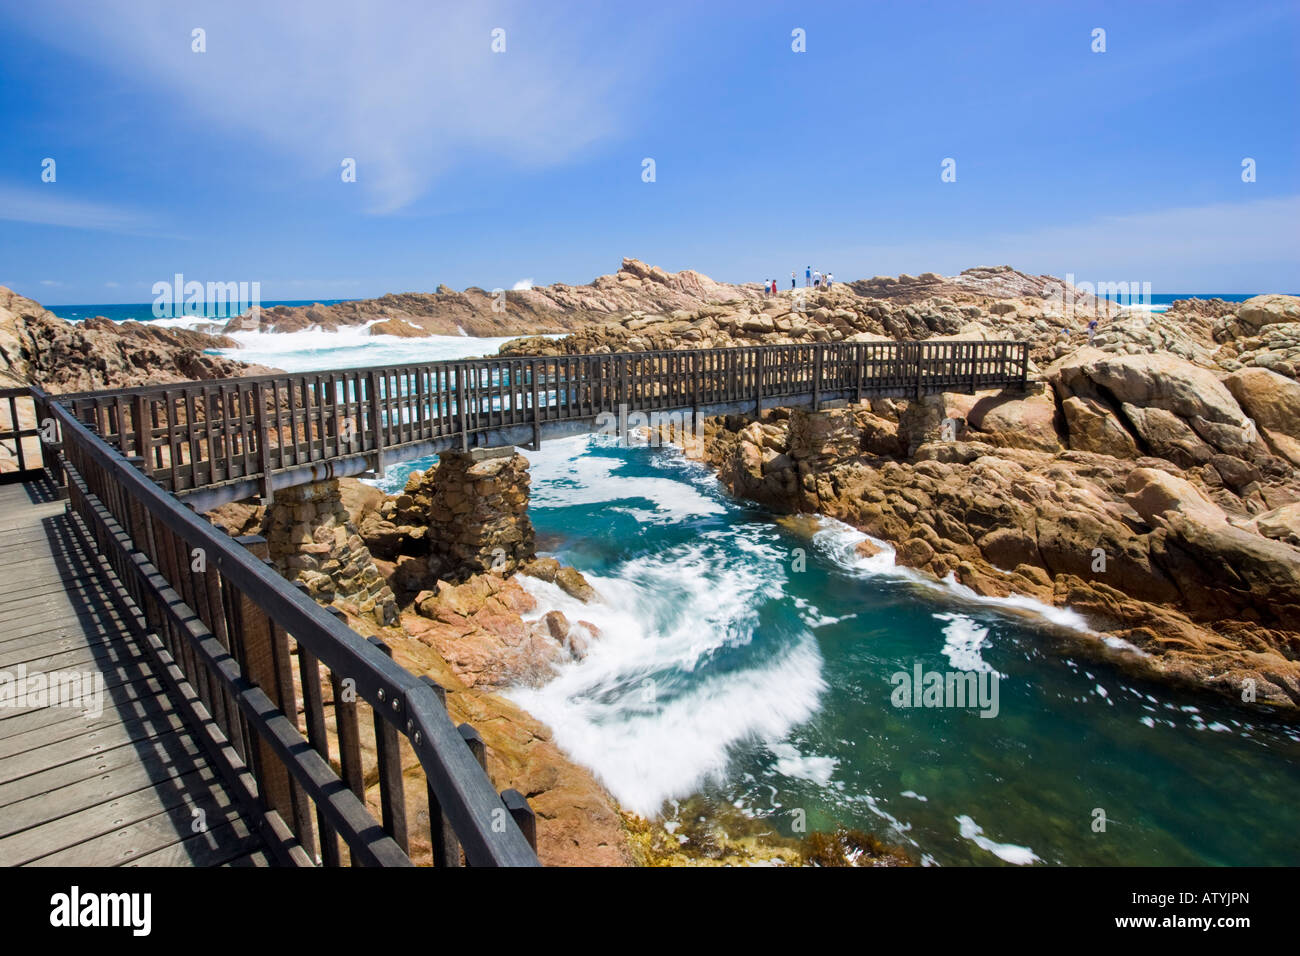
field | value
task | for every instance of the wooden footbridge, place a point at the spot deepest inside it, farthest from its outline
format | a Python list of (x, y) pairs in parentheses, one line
[(166, 698)]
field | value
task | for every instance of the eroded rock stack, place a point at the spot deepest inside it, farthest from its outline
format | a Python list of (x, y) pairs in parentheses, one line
[(312, 539), (478, 513), (467, 515)]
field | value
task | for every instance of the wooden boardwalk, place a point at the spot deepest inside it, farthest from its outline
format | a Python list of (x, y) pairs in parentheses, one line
[(128, 786)]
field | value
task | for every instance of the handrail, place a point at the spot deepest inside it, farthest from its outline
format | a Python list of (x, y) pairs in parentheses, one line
[(488, 360), (458, 785), (252, 431)]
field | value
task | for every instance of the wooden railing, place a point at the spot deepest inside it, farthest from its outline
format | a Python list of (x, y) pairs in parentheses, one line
[(19, 457), (240, 646), (202, 434)]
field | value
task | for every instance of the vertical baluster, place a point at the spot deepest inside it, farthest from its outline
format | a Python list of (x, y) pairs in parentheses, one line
[(392, 796)]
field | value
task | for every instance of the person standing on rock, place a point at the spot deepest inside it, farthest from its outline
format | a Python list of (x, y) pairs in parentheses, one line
[(792, 281), (807, 277), (830, 277), (1092, 330), (817, 279)]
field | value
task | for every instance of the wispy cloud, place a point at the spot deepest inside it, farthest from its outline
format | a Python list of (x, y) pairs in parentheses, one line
[(1172, 248), (406, 89), (49, 205)]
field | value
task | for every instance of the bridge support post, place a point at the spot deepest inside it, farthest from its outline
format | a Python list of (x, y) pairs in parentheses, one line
[(477, 513), (758, 385), (312, 540)]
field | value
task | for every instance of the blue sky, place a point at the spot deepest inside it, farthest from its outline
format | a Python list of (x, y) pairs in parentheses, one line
[(482, 168)]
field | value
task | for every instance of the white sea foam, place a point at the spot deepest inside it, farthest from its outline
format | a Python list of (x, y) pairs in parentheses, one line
[(196, 323), (839, 541), (964, 640), (811, 767), (1019, 855), (316, 349), (644, 710), (564, 475)]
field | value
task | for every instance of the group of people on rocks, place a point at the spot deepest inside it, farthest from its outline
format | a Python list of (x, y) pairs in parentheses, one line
[(812, 279)]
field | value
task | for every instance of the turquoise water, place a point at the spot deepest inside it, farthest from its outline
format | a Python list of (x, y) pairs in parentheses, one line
[(728, 668)]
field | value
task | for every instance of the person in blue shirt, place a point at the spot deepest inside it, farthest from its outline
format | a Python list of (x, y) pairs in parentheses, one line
[(807, 277)]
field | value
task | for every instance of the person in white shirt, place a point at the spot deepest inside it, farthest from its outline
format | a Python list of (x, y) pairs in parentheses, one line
[(830, 277), (817, 278)]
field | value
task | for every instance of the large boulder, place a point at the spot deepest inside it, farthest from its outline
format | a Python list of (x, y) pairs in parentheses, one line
[(1093, 427), (1262, 310), (1273, 403), (1222, 570), (1168, 383), (1018, 422), (1168, 436), (1153, 494)]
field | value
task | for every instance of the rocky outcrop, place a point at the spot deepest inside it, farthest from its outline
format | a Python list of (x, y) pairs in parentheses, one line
[(1169, 559), (38, 347), (479, 627), (554, 308), (1273, 403)]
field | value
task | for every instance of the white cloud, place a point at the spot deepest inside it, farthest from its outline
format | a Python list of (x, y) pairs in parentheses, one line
[(522, 285), (408, 89)]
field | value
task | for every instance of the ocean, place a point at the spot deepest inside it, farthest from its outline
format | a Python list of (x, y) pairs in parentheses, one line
[(747, 664)]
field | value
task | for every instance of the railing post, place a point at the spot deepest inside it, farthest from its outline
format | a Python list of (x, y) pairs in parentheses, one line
[(537, 408), (818, 352), (462, 403), (143, 433), (695, 389), (346, 726), (859, 351), (919, 348), (523, 815), (392, 798), (376, 420), (442, 836), (257, 661), (263, 442), (758, 383)]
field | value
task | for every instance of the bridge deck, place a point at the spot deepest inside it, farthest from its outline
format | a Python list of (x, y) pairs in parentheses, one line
[(77, 789)]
